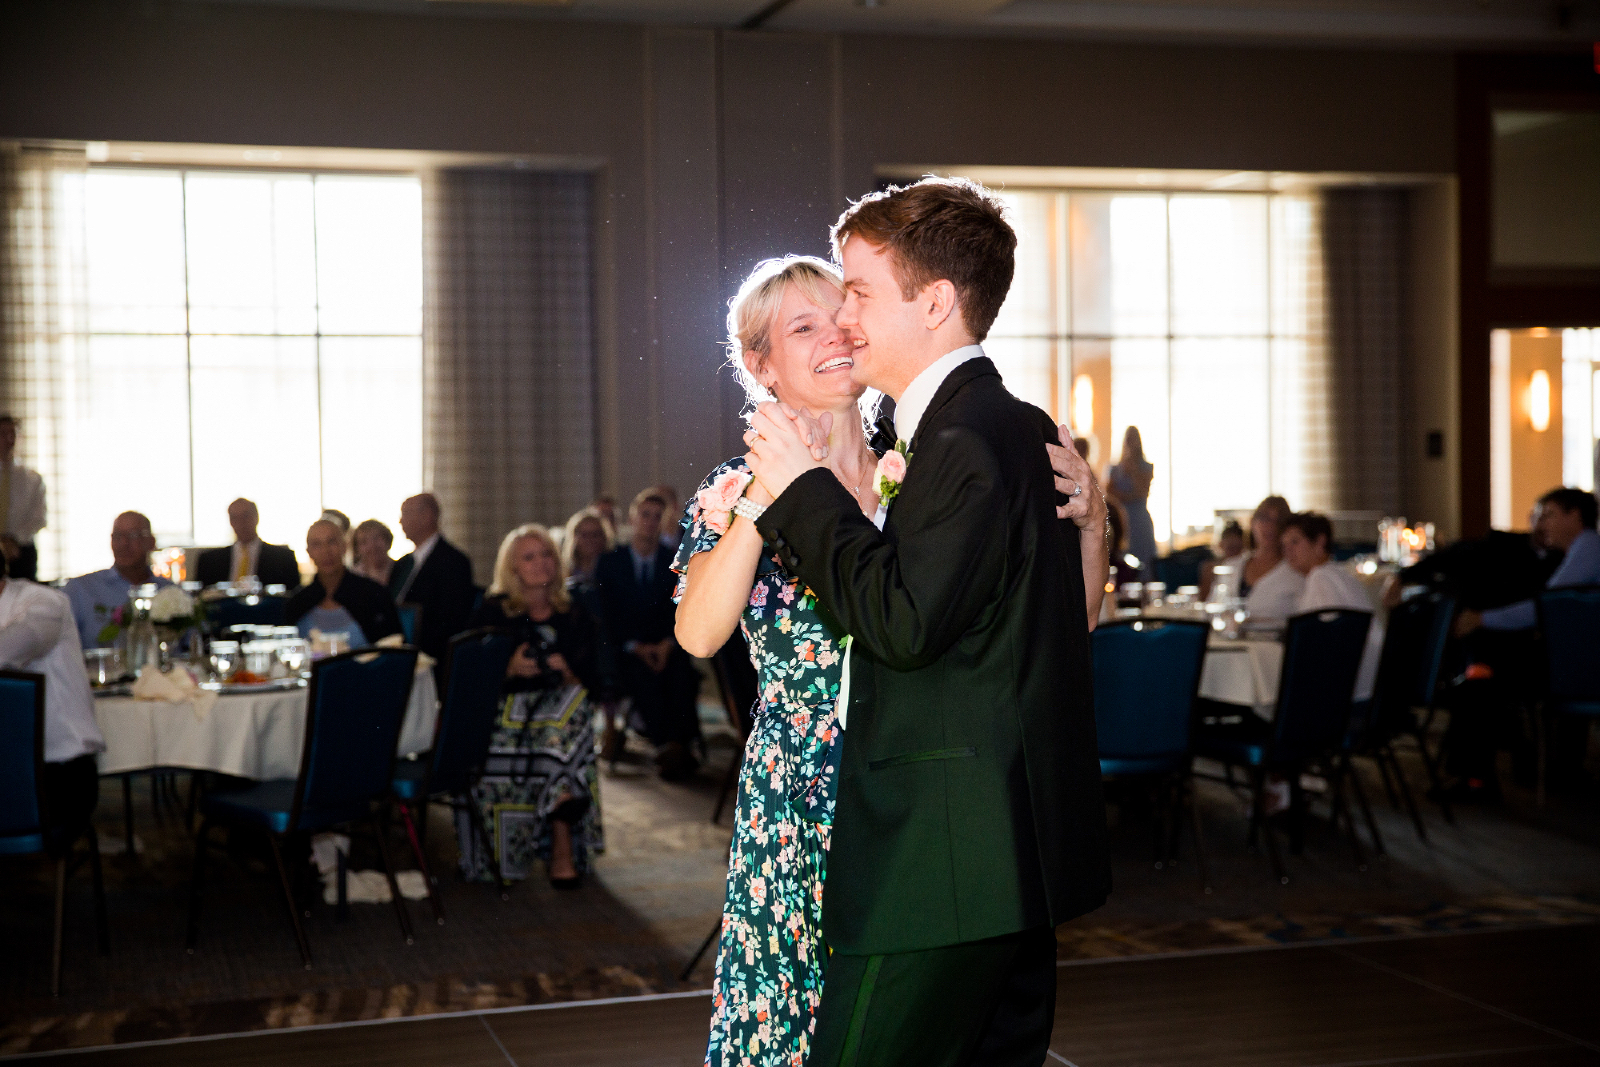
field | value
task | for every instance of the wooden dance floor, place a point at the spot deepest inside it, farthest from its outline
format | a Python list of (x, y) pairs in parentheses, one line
[(1523, 998)]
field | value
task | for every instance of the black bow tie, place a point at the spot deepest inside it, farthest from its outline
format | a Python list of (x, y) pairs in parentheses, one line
[(883, 435)]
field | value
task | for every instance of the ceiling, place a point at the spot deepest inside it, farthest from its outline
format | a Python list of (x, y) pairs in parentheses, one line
[(1509, 24)]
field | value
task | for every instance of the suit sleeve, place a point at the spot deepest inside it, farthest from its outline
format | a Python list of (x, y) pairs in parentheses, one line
[(907, 598)]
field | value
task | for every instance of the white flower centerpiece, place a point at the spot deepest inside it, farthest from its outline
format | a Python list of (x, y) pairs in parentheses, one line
[(174, 613)]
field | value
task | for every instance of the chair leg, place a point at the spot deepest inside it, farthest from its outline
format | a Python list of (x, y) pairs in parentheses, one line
[(341, 881), (1258, 820), (1431, 766), (195, 881), (475, 818), (730, 782), (422, 864), (1539, 732), (1405, 791), (1199, 842), (701, 951), (102, 924), (1340, 772), (1383, 775), (394, 886), (55, 943), (127, 814), (288, 901), (1366, 809)]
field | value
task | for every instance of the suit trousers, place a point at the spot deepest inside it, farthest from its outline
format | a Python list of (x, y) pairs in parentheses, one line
[(989, 1003)]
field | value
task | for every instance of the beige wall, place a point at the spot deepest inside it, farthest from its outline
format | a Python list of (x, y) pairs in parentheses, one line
[(1430, 487), (714, 150)]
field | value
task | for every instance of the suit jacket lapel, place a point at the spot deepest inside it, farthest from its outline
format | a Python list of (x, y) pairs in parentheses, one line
[(972, 368)]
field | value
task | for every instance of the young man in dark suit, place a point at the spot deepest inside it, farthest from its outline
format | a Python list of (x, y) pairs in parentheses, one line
[(969, 820), (435, 577), (248, 556), (636, 583)]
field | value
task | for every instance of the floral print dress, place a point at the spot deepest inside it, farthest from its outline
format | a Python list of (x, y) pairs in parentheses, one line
[(770, 956)]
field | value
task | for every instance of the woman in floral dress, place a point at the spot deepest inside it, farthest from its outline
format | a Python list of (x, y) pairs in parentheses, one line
[(771, 957)]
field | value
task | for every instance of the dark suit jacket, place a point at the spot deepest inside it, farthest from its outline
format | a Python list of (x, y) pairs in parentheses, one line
[(444, 591), (969, 801), (275, 565), (367, 602), (633, 612)]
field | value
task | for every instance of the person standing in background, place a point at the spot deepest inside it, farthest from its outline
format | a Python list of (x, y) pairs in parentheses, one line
[(22, 507), (1129, 484)]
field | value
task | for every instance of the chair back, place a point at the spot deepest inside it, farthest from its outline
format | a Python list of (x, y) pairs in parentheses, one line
[(1321, 658), (243, 610), (1146, 673), (22, 814), (1569, 620), (354, 709), (737, 680), (474, 679), (1413, 655)]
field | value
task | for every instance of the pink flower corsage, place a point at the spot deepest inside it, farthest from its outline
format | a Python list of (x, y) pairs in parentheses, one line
[(717, 499), (891, 472)]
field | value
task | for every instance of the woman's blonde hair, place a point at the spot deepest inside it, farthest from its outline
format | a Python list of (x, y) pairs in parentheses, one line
[(569, 540), (507, 584), (754, 309)]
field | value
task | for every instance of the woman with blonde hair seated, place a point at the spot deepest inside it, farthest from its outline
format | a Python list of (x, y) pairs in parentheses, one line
[(539, 786)]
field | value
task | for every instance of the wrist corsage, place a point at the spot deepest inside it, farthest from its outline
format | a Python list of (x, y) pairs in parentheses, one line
[(891, 472), (718, 499)]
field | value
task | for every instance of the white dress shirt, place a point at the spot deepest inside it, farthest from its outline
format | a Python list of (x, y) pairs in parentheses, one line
[(1277, 592), (911, 405), (25, 515), (419, 556), (1332, 585), (37, 634)]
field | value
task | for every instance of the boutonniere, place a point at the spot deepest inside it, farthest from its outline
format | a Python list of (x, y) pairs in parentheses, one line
[(892, 471)]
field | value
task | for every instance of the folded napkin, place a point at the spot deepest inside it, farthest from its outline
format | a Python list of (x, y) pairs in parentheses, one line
[(174, 687), (424, 661)]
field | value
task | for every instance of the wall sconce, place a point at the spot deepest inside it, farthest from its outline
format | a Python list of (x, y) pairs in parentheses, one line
[(1539, 401), (1083, 405)]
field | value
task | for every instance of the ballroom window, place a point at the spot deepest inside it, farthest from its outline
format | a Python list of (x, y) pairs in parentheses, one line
[(1195, 317), (250, 333)]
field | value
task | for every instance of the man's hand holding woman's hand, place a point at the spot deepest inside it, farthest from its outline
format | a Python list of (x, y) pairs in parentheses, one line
[(784, 444), (1086, 504)]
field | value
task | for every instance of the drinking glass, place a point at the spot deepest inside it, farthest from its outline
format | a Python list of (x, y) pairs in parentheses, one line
[(292, 653), (224, 657)]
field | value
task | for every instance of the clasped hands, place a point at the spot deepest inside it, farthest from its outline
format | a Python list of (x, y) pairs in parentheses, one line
[(784, 443)]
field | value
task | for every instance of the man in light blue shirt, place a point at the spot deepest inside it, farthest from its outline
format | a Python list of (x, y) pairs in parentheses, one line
[(96, 595), (1566, 520)]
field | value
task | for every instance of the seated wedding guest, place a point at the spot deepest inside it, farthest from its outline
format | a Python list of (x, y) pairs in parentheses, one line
[(1270, 587), (22, 506), (671, 532), (636, 585), (338, 518), (1306, 538), (1229, 545), (37, 634), (588, 537), (1564, 520), (96, 595), (248, 556), (606, 505), (540, 776), (435, 575), (369, 547), (337, 600)]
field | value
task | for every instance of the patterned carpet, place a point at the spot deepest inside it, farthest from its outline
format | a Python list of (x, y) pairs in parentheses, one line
[(656, 894)]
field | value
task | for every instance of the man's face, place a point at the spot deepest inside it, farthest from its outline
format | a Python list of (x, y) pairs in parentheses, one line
[(647, 521), (1555, 526), (417, 520), (884, 328), (8, 437), (131, 542), (243, 518)]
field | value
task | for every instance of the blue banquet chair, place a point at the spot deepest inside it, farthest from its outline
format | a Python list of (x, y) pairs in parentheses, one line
[(1569, 621), (26, 826), (354, 710), (1146, 674), (473, 677)]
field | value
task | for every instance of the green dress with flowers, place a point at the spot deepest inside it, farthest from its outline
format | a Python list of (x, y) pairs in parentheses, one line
[(770, 956)]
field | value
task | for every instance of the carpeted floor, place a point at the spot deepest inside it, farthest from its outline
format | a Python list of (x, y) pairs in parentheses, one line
[(657, 893)]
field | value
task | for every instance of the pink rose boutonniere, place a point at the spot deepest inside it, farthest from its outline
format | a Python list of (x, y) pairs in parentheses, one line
[(717, 499), (892, 471)]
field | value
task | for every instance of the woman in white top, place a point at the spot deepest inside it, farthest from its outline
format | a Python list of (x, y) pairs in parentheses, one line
[(1306, 537), (1270, 587)]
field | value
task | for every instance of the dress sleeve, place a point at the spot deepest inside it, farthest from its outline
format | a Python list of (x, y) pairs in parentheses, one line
[(701, 529)]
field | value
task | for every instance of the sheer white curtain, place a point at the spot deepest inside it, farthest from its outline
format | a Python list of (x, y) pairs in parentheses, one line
[(43, 320)]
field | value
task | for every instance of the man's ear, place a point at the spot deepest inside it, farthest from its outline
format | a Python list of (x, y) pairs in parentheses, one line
[(938, 303)]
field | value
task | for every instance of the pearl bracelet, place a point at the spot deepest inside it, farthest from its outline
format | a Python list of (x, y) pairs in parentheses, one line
[(749, 508)]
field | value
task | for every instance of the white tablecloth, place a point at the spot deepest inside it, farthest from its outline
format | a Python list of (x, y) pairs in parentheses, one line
[(251, 735), (1242, 672)]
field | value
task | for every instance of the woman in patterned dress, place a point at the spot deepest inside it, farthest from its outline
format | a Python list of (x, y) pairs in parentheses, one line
[(771, 957)]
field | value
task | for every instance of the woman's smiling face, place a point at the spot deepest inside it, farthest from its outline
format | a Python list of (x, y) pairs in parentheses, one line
[(808, 363)]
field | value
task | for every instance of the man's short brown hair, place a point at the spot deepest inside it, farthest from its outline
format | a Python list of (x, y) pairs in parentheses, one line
[(940, 228)]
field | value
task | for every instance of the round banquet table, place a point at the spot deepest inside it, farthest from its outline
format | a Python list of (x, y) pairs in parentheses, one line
[(257, 734), (1243, 672)]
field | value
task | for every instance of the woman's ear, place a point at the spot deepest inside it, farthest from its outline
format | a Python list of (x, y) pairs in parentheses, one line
[(753, 363)]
